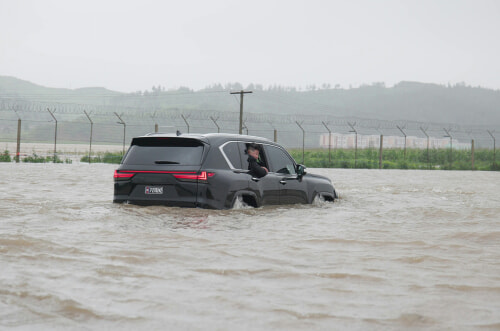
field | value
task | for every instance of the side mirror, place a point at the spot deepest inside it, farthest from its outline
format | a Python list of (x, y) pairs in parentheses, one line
[(301, 170)]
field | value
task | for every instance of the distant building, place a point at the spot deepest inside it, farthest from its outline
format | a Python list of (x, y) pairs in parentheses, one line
[(347, 141)]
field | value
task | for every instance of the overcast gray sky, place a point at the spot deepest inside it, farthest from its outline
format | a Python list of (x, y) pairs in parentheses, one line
[(130, 45)]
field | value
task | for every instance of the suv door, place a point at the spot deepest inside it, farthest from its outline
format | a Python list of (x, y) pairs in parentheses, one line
[(267, 187), (282, 165)]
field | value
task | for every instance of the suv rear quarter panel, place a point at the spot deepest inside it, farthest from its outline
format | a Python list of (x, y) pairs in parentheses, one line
[(226, 183)]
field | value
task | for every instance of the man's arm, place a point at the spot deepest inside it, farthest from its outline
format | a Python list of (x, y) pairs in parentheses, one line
[(255, 169)]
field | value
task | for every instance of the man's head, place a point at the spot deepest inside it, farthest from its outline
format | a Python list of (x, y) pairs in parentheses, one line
[(253, 151)]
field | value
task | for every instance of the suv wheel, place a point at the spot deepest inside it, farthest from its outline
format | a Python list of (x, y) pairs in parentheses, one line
[(320, 199), (244, 201)]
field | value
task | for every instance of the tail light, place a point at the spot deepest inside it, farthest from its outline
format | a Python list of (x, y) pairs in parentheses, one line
[(123, 175), (202, 177), (187, 176)]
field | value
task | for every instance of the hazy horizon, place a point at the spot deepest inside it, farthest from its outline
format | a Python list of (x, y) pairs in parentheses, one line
[(129, 46)]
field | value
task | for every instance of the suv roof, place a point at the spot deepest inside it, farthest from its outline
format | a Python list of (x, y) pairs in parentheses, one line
[(209, 137)]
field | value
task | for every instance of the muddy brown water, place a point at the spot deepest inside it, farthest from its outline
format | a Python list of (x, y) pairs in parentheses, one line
[(400, 249)]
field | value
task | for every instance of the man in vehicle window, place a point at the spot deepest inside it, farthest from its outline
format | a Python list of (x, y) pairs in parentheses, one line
[(255, 167)]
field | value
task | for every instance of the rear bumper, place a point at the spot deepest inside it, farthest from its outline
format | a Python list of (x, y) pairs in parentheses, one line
[(155, 202), (203, 199), (207, 204), (168, 195)]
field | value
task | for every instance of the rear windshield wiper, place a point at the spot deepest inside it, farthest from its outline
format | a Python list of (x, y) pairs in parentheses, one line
[(166, 162)]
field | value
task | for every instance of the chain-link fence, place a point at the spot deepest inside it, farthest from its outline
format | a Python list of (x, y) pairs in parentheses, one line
[(82, 129)]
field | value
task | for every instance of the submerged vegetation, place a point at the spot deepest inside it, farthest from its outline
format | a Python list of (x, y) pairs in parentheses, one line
[(5, 157), (35, 158), (106, 157)]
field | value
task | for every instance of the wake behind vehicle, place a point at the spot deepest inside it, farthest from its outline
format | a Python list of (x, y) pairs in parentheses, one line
[(211, 171)]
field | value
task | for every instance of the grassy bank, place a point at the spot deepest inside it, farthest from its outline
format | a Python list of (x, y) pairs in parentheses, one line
[(443, 159), (369, 159), (396, 159)]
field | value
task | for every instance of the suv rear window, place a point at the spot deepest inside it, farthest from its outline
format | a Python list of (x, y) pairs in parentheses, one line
[(162, 150)]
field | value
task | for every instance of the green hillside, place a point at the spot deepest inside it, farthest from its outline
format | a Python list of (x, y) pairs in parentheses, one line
[(11, 87), (406, 101)]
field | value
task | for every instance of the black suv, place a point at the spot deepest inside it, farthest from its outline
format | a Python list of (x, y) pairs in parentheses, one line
[(211, 171)]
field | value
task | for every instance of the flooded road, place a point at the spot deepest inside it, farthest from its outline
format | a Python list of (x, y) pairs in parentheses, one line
[(400, 249)]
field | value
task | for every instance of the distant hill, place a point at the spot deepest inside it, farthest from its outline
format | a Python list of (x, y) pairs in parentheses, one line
[(11, 87), (406, 101)]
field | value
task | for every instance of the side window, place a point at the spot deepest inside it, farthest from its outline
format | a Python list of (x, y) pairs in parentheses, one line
[(279, 161), (244, 156), (232, 153)]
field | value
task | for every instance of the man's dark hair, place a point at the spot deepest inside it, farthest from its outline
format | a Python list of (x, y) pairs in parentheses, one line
[(252, 147)]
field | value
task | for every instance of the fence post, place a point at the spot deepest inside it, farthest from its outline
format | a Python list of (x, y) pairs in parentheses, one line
[(244, 126), (303, 141), (55, 133), (428, 156), (494, 150), (185, 121), (124, 130), (18, 148), (380, 152), (215, 122), (404, 134), (448, 135), (355, 143), (275, 131), (329, 144), (91, 129), (472, 153), (153, 117)]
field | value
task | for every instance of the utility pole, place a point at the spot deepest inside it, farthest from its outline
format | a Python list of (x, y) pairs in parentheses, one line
[(241, 93)]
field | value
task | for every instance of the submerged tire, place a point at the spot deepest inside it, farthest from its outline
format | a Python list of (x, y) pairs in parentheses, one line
[(321, 200), (244, 202), (238, 203)]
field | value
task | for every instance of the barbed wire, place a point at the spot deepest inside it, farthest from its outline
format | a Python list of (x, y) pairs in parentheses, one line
[(144, 118)]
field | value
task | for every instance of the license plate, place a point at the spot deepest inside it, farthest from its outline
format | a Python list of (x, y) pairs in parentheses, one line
[(153, 190)]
